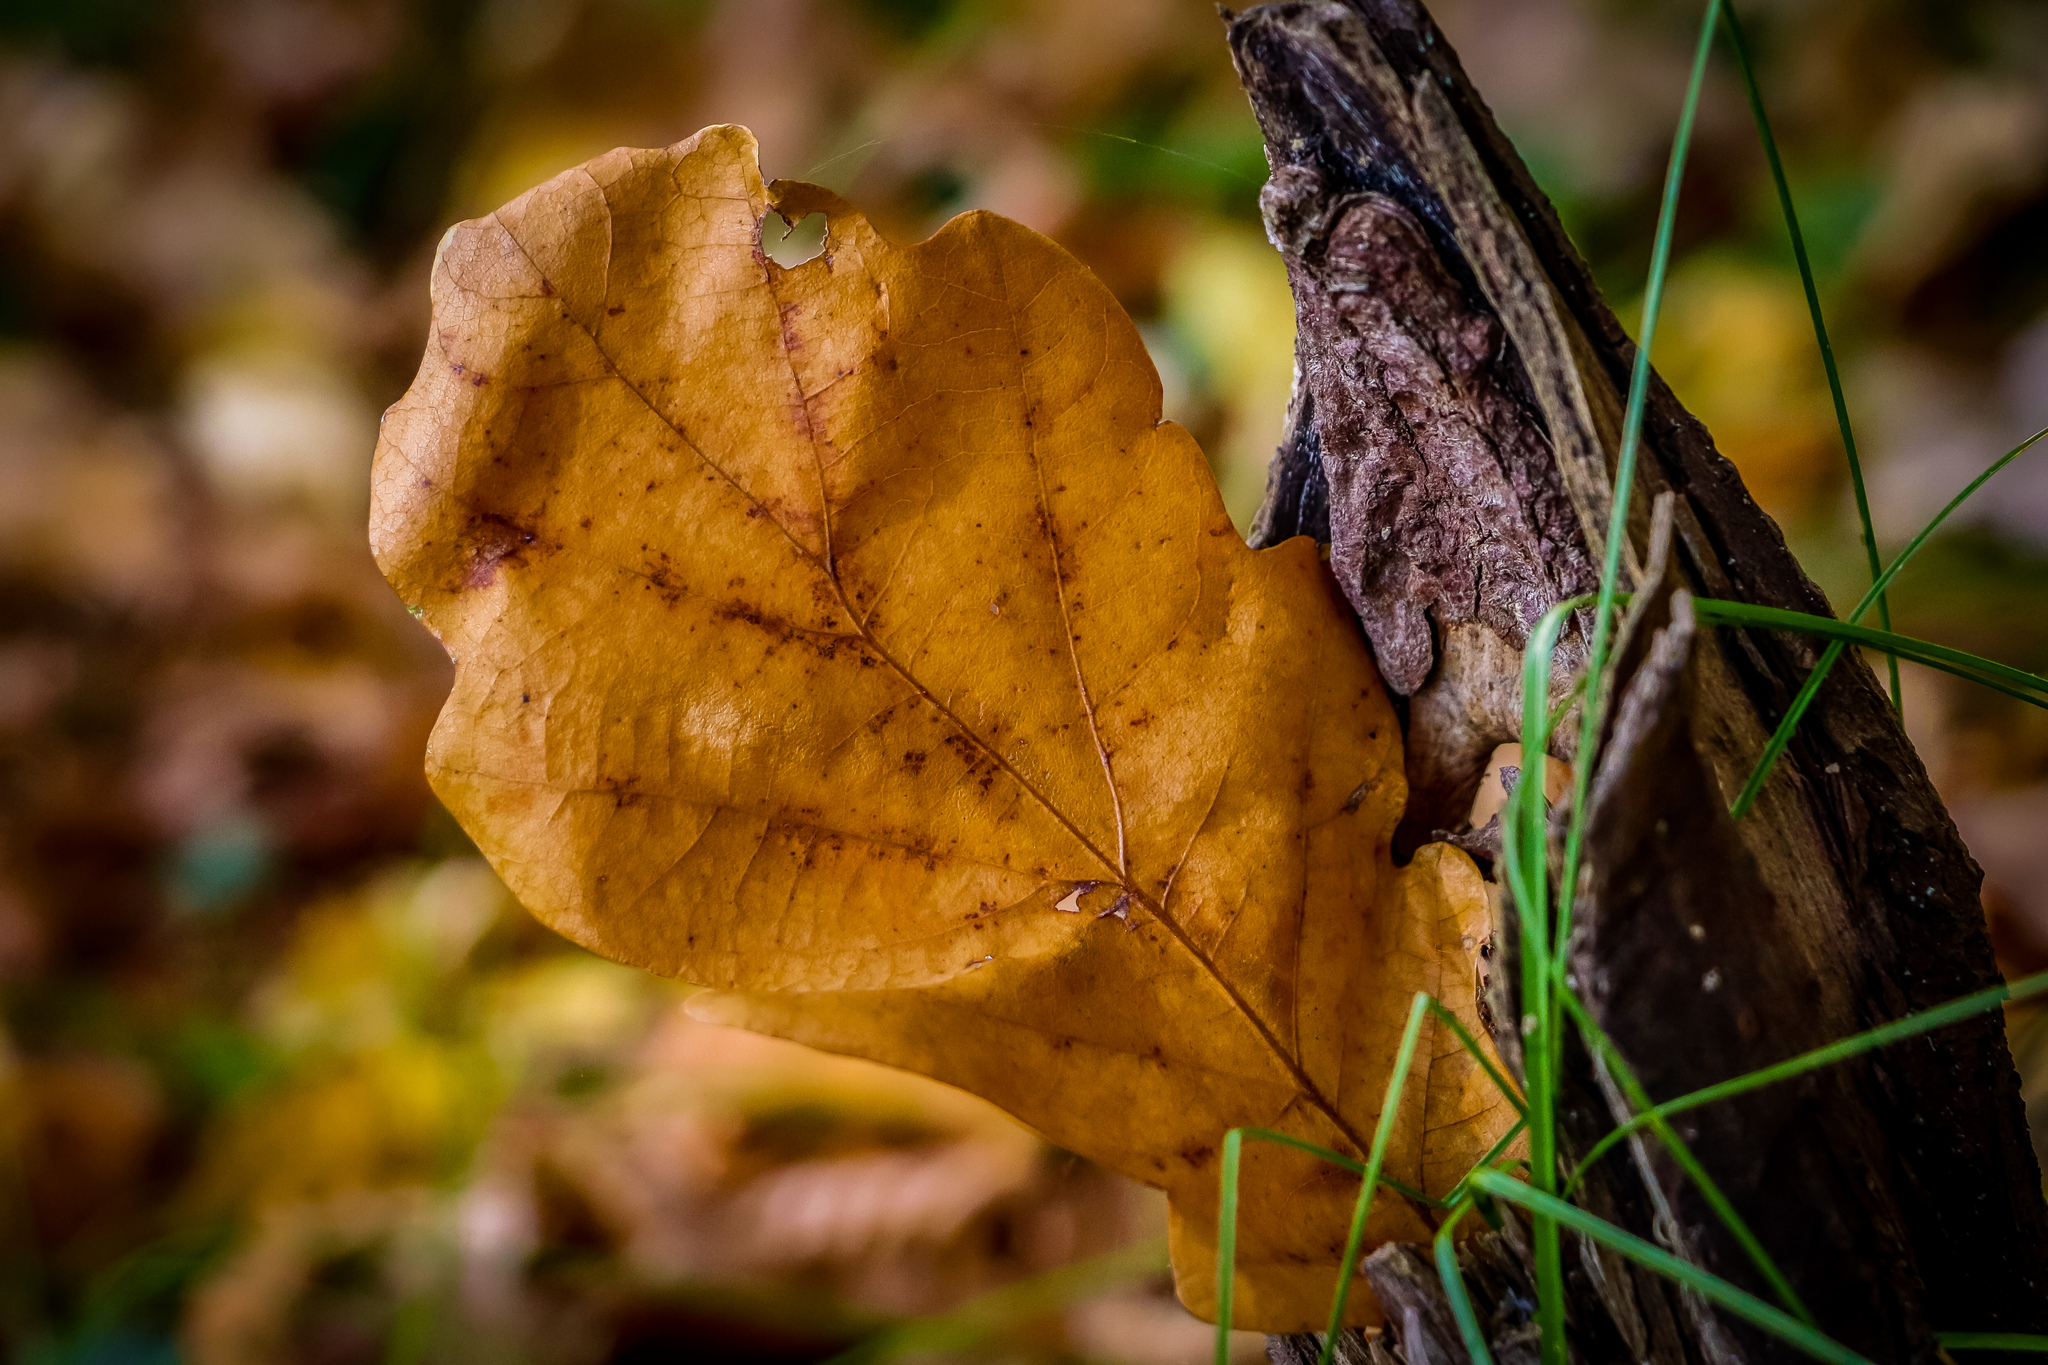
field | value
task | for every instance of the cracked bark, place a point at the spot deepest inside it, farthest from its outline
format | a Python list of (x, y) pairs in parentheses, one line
[(1458, 391)]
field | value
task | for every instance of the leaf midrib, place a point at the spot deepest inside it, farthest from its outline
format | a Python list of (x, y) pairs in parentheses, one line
[(1303, 1085)]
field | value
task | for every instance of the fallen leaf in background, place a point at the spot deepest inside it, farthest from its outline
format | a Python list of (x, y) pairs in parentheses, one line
[(1226, 291), (728, 1156), (855, 639), (634, 1156)]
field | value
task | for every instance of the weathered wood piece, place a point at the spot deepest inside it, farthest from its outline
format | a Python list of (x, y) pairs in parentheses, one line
[(1455, 423)]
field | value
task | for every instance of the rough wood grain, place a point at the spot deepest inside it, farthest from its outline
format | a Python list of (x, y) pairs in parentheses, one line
[(1459, 380)]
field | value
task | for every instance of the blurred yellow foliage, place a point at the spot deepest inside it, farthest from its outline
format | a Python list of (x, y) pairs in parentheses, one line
[(380, 1078), (1226, 295), (522, 147), (402, 1114), (1736, 345)]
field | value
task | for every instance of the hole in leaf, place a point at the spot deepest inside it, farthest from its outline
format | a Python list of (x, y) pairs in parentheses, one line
[(788, 245)]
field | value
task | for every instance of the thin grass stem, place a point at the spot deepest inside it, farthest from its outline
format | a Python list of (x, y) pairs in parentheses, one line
[(1226, 1243), (1338, 1159), (1383, 1133), (1564, 705), (1639, 1100), (2013, 682), (1991, 1341), (1548, 1040), (1233, 1160), (1912, 1026), (1465, 1039), (1625, 474), (1462, 1190), (1713, 1288), (1454, 1289), (1740, 46), (1782, 736), (1525, 848)]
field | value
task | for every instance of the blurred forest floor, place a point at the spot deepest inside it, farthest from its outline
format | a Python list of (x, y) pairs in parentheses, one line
[(284, 1075)]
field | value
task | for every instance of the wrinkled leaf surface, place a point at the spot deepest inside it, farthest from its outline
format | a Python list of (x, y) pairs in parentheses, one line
[(855, 640)]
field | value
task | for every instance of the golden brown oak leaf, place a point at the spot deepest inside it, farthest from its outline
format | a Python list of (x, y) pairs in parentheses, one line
[(856, 640)]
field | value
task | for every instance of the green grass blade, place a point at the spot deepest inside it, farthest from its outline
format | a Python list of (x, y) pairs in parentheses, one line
[(1564, 705), (1286, 1140), (1753, 788), (1782, 736), (1226, 1243), (1493, 1154), (1912, 1026), (1471, 1045), (1991, 1341), (1462, 1190), (1625, 462), (1383, 1133), (1233, 1158), (1639, 1100), (1525, 858), (1820, 327), (1957, 661), (1338, 1159), (1454, 1289), (1524, 820), (1524, 851), (1926, 532), (1543, 1136), (1713, 1288), (2014, 682)]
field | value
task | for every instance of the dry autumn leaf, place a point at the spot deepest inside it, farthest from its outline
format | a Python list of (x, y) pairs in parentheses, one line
[(856, 640)]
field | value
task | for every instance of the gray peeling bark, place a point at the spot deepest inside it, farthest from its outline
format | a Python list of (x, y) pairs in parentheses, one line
[(1455, 422)]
